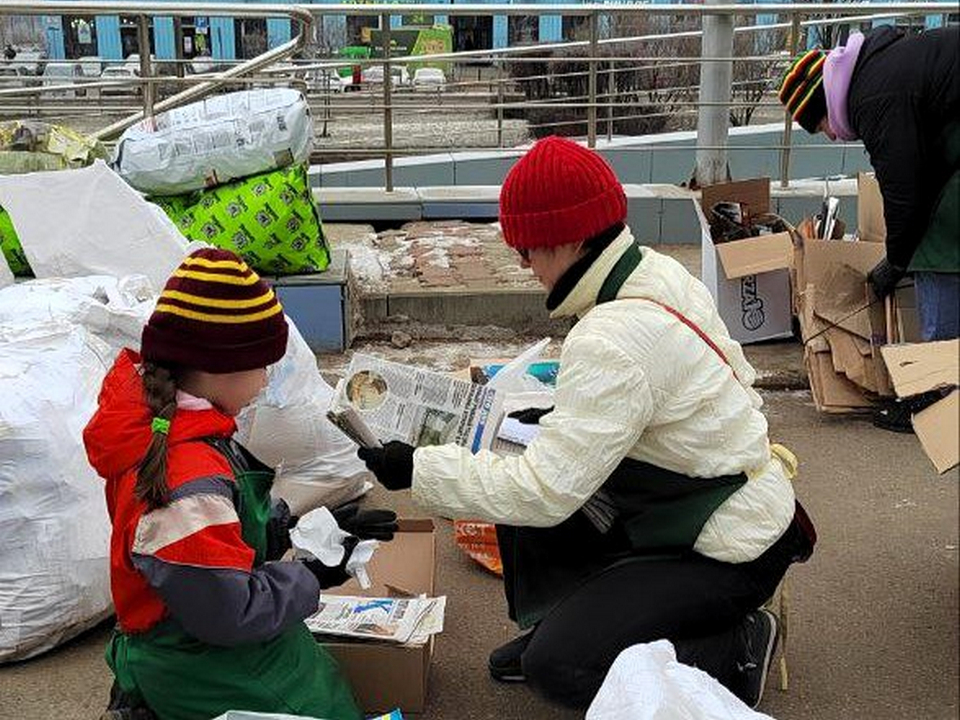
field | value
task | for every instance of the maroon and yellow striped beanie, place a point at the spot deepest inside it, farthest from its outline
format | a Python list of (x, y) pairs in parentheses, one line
[(215, 314), (801, 90)]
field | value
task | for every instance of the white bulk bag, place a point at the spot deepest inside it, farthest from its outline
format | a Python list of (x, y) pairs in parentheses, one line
[(88, 221), (6, 275), (54, 558), (287, 428), (646, 682), (216, 140)]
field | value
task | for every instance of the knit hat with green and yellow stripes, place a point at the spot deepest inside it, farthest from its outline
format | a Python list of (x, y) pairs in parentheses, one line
[(215, 314), (801, 90)]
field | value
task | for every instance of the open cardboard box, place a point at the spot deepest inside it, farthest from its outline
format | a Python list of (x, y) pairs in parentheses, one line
[(748, 279), (388, 676), (918, 367)]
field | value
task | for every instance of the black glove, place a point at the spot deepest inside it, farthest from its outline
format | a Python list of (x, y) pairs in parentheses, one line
[(392, 464), (329, 577), (530, 416), (884, 278), (366, 524), (278, 530)]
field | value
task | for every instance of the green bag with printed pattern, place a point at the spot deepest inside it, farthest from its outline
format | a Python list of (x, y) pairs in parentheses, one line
[(270, 220)]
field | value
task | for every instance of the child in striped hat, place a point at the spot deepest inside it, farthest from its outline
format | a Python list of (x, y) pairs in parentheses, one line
[(208, 621)]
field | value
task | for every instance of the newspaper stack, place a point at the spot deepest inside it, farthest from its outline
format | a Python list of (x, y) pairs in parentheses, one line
[(379, 400), (405, 621)]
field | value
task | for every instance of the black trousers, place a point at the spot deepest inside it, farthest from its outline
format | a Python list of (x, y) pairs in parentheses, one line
[(693, 601)]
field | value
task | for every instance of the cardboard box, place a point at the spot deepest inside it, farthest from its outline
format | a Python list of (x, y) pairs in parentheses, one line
[(917, 368), (386, 676), (748, 279)]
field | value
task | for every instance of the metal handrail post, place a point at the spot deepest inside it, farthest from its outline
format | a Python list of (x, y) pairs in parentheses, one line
[(787, 118), (592, 83), (143, 46), (500, 102), (716, 83), (387, 109), (611, 90)]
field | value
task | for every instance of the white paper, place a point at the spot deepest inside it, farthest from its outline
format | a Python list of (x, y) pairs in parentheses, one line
[(512, 430), (89, 222), (646, 682), (398, 620), (317, 535)]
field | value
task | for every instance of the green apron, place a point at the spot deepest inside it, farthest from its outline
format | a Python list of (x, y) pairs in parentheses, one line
[(939, 249), (181, 678), (659, 515)]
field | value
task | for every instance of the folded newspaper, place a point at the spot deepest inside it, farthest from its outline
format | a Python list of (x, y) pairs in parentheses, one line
[(408, 621), (379, 400)]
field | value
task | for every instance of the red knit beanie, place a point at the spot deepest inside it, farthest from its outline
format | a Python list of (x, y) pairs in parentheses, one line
[(215, 314), (559, 193)]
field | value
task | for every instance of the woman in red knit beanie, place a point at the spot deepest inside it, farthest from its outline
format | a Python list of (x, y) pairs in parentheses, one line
[(208, 620), (651, 504)]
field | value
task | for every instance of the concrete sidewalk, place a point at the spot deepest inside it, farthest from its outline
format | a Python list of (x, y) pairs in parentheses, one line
[(873, 616)]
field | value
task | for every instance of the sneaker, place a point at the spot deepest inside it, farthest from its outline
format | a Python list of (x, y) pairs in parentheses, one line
[(760, 635), (504, 662)]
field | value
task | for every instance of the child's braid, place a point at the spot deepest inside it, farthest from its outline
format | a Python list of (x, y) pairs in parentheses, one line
[(160, 392)]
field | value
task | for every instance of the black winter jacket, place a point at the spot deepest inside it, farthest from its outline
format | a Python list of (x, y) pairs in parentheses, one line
[(904, 92)]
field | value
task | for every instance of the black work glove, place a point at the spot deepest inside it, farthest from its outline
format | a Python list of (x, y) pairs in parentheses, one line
[(366, 524), (329, 577), (278, 530), (392, 464), (884, 278), (530, 416)]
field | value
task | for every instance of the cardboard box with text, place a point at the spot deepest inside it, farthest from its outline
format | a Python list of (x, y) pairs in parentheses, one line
[(748, 279)]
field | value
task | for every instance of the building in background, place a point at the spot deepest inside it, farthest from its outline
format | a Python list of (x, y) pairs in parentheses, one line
[(225, 38)]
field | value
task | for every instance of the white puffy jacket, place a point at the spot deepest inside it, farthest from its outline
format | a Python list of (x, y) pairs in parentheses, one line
[(634, 381)]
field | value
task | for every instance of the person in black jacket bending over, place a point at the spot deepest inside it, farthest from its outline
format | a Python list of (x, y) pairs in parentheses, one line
[(900, 95)]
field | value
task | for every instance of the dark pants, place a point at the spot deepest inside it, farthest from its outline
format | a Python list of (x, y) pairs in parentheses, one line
[(695, 602)]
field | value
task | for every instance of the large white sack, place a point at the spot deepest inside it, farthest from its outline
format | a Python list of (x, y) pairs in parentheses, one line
[(216, 140), (6, 275), (646, 682), (288, 429), (89, 222), (54, 554)]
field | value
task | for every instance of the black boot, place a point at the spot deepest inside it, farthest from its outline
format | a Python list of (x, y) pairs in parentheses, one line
[(504, 662), (759, 642)]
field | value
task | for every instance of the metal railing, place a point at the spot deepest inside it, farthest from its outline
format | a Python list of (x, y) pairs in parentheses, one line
[(612, 78)]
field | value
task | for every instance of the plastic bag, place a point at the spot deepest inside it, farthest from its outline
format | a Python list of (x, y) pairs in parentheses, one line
[(287, 428), (6, 275), (89, 222), (215, 141), (54, 558), (478, 540), (646, 682), (271, 220)]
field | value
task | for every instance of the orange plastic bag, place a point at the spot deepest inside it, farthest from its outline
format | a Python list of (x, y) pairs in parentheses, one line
[(479, 541)]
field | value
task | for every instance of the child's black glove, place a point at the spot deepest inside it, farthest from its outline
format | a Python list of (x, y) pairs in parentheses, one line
[(278, 530), (392, 464), (329, 577), (530, 416), (366, 524)]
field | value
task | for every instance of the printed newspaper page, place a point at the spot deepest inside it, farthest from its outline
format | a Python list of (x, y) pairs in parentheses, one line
[(417, 406), (399, 620)]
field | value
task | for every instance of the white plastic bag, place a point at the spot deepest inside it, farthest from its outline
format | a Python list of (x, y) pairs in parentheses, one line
[(6, 275), (54, 558), (287, 428), (216, 140), (89, 222), (646, 682)]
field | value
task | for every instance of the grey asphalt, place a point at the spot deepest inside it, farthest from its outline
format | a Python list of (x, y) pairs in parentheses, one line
[(873, 616)]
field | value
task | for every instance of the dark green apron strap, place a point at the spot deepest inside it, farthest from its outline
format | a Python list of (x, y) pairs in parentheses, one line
[(627, 263)]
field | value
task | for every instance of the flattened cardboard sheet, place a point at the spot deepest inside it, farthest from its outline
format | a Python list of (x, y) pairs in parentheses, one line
[(756, 255), (918, 367), (938, 428)]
